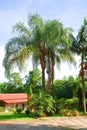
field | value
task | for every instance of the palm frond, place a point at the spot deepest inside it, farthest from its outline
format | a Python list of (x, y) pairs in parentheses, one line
[(21, 29), (17, 51)]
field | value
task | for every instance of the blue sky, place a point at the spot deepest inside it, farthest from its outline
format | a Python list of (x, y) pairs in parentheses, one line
[(70, 12)]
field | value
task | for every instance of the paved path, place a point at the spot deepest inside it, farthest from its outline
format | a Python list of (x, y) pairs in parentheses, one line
[(63, 123)]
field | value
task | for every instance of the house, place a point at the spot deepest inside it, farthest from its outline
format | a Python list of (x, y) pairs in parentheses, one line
[(13, 100)]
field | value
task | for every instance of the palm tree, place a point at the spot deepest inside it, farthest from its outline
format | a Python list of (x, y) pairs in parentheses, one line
[(59, 39), (18, 49), (44, 41), (80, 47), (28, 42), (39, 48)]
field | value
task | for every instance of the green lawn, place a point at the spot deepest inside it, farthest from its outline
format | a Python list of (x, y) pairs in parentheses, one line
[(14, 116)]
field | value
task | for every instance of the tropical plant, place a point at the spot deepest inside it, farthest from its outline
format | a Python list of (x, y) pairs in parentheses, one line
[(80, 47), (45, 41), (28, 42), (42, 103), (59, 39)]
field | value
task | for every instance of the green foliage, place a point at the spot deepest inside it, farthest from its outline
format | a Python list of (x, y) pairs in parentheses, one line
[(11, 88), (66, 88), (14, 85), (14, 116), (43, 40), (72, 103), (33, 81), (27, 111), (42, 103), (19, 110), (80, 48), (15, 79), (69, 104), (2, 87)]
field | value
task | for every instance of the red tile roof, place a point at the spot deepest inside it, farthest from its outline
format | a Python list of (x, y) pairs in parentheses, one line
[(14, 98)]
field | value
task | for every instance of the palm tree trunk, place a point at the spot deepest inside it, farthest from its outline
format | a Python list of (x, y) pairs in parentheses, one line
[(43, 77), (42, 62), (49, 75), (53, 63), (83, 87)]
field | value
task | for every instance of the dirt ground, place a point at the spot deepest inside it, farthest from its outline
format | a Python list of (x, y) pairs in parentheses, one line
[(63, 123)]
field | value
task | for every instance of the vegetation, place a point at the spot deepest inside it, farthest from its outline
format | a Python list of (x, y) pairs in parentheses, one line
[(13, 116), (47, 43), (19, 110), (42, 103), (80, 47), (14, 84)]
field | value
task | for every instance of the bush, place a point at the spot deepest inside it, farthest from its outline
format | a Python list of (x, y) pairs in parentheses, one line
[(67, 103), (27, 112), (72, 103), (42, 104), (19, 110), (64, 112), (63, 105), (60, 104)]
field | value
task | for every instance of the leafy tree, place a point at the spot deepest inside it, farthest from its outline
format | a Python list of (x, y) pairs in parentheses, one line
[(11, 88), (15, 79), (2, 87), (14, 85), (33, 80), (66, 88)]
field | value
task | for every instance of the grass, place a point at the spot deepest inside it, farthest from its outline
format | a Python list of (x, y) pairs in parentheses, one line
[(22, 116), (14, 116)]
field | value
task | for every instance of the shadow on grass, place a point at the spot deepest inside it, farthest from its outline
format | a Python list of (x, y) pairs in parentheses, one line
[(35, 127)]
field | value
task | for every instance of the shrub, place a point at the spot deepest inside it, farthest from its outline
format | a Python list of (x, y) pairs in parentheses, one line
[(64, 112), (42, 104), (60, 104), (27, 111), (19, 110), (72, 103), (67, 104)]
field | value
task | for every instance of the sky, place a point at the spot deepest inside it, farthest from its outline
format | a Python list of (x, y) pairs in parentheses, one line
[(70, 12)]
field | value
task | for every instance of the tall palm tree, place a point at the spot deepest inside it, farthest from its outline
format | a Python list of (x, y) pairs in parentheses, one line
[(39, 48), (29, 41), (59, 39), (80, 47), (44, 41)]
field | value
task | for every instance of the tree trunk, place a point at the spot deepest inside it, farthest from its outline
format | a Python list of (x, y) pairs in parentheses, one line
[(43, 52), (42, 62), (53, 63), (49, 75), (83, 87), (43, 77)]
